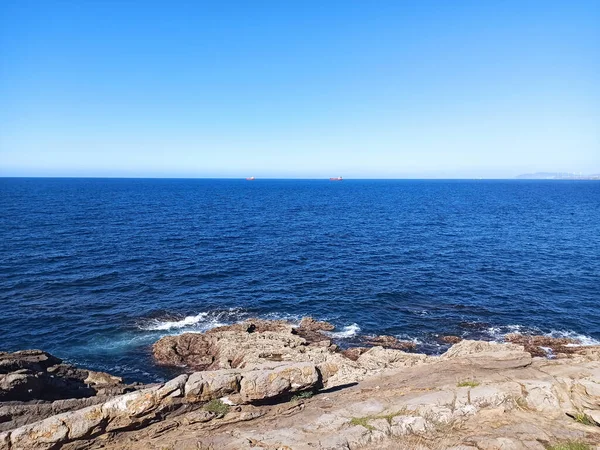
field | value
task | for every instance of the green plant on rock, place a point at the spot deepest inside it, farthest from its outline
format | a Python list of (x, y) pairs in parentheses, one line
[(571, 445), (468, 383), (363, 422), (217, 406), (584, 419), (302, 395)]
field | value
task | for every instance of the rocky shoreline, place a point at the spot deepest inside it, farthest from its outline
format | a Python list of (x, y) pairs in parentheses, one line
[(272, 385)]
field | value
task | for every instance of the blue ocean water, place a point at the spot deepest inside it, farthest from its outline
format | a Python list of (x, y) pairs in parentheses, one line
[(95, 270)]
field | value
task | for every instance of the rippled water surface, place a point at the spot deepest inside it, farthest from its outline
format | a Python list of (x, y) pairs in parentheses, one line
[(95, 270)]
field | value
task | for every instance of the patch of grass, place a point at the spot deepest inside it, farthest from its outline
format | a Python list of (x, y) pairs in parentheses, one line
[(571, 445), (217, 406), (584, 419), (389, 417), (468, 383), (302, 395), (362, 421)]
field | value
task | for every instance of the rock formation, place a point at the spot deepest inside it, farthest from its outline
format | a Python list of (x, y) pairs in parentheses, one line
[(136, 409), (275, 386), (35, 385), (262, 343), (34, 374)]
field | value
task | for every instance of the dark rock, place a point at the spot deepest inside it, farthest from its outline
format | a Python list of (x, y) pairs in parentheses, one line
[(310, 324), (34, 374), (255, 326), (354, 353), (390, 342), (31, 360), (537, 345), (450, 339), (311, 330), (191, 349)]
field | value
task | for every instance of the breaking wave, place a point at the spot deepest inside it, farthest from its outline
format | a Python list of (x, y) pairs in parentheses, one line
[(346, 332), (497, 334), (194, 323), (164, 325)]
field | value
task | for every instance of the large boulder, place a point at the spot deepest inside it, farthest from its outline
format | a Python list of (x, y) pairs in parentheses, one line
[(261, 385), (205, 386)]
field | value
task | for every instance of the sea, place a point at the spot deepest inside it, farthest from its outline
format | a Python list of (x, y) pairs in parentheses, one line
[(96, 270)]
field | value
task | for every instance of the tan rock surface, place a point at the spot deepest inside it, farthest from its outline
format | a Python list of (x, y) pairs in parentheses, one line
[(445, 403), (479, 395)]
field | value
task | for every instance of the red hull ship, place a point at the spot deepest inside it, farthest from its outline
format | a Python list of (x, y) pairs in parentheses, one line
[(336, 179)]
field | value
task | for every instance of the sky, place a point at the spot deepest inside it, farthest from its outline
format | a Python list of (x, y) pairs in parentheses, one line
[(299, 88)]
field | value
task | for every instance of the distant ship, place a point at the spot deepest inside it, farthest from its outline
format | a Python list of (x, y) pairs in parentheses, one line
[(336, 179), (250, 179)]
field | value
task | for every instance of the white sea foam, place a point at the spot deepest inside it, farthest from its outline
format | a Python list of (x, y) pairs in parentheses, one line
[(582, 338), (204, 321), (414, 340), (497, 334), (197, 323), (346, 332), (165, 325)]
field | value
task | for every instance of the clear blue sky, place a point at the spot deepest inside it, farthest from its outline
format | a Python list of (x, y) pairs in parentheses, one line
[(302, 88)]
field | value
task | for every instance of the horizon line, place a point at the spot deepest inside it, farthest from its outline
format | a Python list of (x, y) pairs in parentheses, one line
[(516, 178)]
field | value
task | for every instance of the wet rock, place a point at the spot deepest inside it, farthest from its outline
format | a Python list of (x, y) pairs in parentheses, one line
[(543, 345), (310, 324), (311, 330), (390, 342), (450, 339)]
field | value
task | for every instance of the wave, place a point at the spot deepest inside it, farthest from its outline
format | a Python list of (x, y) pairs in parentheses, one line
[(346, 332), (497, 334), (194, 323), (165, 325), (582, 338)]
